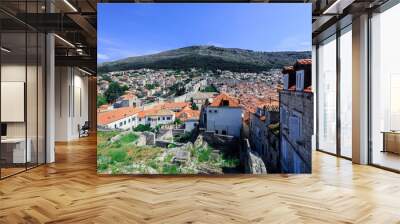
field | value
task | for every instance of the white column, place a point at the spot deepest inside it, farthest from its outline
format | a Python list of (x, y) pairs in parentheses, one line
[(50, 101), (360, 89)]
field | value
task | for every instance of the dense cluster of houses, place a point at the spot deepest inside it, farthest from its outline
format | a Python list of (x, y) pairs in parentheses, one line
[(279, 130), (124, 118)]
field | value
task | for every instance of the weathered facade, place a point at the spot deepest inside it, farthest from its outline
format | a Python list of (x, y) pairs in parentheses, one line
[(263, 140), (296, 121)]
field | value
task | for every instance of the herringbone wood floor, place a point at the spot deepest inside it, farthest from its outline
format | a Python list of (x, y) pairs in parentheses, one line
[(70, 191)]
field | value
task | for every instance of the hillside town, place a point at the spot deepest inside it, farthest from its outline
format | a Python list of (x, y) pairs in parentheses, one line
[(209, 122)]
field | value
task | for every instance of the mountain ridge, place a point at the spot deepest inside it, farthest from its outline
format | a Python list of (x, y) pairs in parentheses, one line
[(208, 57)]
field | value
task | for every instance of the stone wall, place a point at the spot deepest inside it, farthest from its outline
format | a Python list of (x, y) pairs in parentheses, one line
[(222, 142), (292, 150), (252, 162), (146, 138), (164, 144), (164, 134), (263, 141)]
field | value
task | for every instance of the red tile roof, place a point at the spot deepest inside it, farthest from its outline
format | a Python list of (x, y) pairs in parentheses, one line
[(224, 100), (304, 61), (128, 96), (287, 69), (187, 114), (173, 105), (107, 117)]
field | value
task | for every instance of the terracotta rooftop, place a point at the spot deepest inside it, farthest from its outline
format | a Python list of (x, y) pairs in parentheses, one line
[(187, 114), (287, 69), (108, 117), (173, 105), (304, 61), (224, 100), (128, 96)]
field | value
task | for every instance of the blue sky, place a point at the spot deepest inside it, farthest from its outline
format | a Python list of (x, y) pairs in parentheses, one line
[(126, 30)]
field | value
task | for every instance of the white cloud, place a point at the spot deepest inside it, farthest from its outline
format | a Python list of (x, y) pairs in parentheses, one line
[(102, 56)]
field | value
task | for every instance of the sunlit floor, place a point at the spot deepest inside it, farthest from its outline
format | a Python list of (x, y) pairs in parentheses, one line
[(70, 191), (386, 159), (5, 172), (8, 171)]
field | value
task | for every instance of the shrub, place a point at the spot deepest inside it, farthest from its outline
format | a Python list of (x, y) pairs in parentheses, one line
[(183, 138), (170, 169), (172, 145), (153, 164), (204, 155), (117, 155), (142, 128)]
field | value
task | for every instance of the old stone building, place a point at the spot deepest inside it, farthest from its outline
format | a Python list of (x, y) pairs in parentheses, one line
[(296, 119), (263, 138)]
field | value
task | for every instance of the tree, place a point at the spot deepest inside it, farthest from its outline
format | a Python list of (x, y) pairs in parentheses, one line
[(194, 106), (113, 92), (106, 77), (150, 86), (101, 100), (178, 121), (180, 91), (210, 88), (125, 88), (142, 128)]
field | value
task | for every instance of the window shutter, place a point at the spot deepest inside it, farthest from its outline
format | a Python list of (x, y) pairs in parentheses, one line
[(286, 81), (300, 80)]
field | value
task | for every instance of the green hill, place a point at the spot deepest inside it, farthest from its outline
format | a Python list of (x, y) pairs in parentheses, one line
[(208, 57)]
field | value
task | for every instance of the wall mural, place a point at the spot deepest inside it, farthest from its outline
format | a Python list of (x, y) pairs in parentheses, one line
[(204, 88)]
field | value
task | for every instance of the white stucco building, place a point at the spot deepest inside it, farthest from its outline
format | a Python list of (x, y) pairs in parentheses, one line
[(224, 116)]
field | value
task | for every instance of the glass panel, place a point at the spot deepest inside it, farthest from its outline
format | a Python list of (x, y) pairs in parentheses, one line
[(41, 99), (31, 98), (13, 87), (346, 92), (327, 95), (385, 89), (32, 87)]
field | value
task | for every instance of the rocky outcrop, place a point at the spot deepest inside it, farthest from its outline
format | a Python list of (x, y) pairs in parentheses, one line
[(119, 136), (200, 142), (252, 161), (145, 138)]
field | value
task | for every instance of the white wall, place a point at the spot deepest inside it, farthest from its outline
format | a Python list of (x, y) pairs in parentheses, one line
[(226, 118), (190, 125), (127, 123), (71, 102)]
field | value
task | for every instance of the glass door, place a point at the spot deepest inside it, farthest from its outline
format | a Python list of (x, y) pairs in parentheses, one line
[(385, 89), (345, 93), (326, 98), (22, 98)]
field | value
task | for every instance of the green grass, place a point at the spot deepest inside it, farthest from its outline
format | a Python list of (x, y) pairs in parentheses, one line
[(168, 158), (171, 145), (123, 157), (117, 155), (153, 164), (203, 155), (170, 169), (129, 138)]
